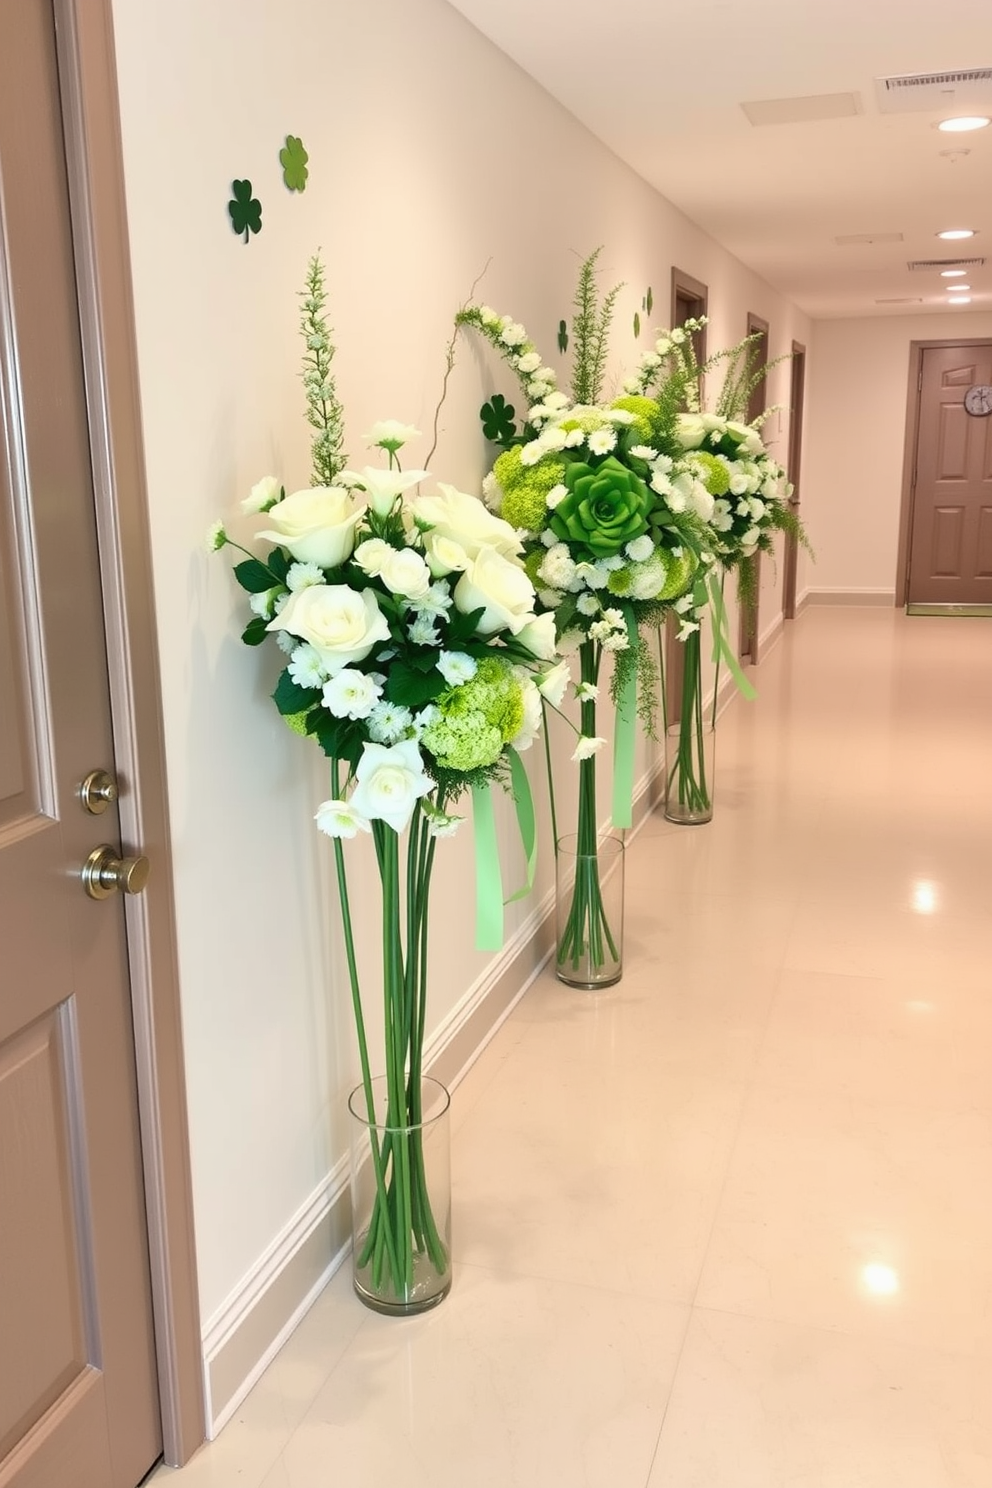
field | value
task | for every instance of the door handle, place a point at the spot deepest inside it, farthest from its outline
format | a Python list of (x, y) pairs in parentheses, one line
[(104, 873)]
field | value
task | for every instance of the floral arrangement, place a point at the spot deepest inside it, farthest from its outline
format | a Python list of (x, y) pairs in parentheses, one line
[(613, 515), (749, 504), (413, 657)]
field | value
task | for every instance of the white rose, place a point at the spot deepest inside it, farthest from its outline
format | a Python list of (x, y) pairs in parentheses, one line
[(444, 555), (691, 430), (406, 573), (317, 526), (371, 555), (466, 520), (749, 440), (390, 781), (531, 725), (539, 636), (500, 588), (340, 624)]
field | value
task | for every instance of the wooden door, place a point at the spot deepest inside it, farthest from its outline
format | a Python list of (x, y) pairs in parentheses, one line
[(950, 544), (78, 1387)]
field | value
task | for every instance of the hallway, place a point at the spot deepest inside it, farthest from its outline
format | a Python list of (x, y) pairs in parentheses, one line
[(728, 1224)]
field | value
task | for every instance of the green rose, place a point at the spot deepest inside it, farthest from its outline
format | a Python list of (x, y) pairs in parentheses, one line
[(606, 507)]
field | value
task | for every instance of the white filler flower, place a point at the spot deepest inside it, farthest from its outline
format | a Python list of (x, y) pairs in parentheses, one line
[(390, 782)]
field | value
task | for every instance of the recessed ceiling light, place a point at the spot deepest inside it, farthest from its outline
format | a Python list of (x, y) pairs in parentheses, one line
[(953, 273), (958, 288), (962, 126), (960, 300), (957, 232)]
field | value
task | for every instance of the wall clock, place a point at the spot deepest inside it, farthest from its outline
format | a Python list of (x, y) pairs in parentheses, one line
[(978, 400)]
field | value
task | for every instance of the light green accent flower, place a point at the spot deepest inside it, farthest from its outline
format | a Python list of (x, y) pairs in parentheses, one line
[(477, 720), (715, 475), (680, 573), (644, 410), (216, 537), (297, 722), (525, 488)]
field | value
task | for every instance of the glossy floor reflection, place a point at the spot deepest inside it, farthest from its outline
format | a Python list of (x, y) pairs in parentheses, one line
[(728, 1224)]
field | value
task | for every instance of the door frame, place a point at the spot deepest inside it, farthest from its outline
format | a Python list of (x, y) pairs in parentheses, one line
[(797, 403), (91, 121), (908, 497), (748, 621)]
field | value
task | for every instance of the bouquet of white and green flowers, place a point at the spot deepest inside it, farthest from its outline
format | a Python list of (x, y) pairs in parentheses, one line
[(612, 514), (413, 658)]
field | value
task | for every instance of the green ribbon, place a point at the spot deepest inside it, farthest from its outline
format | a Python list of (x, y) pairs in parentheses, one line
[(488, 878), (624, 735), (722, 649), (523, 800)]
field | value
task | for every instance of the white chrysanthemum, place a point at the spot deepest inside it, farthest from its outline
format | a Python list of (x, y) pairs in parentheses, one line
[(601, 441), (586, 692), (553, 439), (615, 617), (661, 483), (302, 575), (437, 601), (574, 437), (456, 668), (550, 598), (587, 604), (306, 668), (216, 537), (555, 495), (531, 454), (340, 819), (488, 316), (351, 694), (537, 415), (557, 567), (556, 401), (391, 435), (587, 746), (513, 334), (286, 642), (616, 641), (423, 630), (389, 722), (632, 385), (640, 549), (441, 825), (721, 520), (529, 362), (263, 494), (663, 345), (643, 452), (622, 416), (757, 508)]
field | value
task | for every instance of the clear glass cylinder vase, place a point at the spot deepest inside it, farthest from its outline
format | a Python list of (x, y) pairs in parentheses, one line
[(589, 892), (401, 1194), (690, 746)]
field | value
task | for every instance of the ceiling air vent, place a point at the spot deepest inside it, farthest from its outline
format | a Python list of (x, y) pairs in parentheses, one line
[(966, 88), (945, 263), (853, 240)]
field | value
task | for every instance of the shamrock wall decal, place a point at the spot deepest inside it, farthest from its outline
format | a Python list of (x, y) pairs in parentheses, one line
[(245, 210), (498, 419), (562, 337), (293, 159), (637, 324)]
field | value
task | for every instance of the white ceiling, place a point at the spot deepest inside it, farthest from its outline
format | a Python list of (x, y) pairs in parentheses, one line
[(662, 82)]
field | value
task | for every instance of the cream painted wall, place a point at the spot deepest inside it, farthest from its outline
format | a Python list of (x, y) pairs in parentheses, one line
[(432, 156), (855, 433)]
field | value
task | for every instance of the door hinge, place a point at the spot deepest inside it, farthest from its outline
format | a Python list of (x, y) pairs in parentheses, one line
[(919, 381)]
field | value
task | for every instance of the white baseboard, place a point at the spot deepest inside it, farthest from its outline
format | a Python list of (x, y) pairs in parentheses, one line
[(832, 596)]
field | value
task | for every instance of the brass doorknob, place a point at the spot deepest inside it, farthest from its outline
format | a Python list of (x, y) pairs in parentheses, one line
[(104, 873), (97, 792)]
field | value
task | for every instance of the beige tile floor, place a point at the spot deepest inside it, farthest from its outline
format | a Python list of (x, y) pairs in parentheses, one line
[(729, 1224)]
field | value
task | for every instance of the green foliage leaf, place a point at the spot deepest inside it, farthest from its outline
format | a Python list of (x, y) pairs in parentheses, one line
[(293, 159), (255, 632), (498, 419), (278, 563), (461, 627), (245, 210), (410, 688), (337, 737), (562, 337), (254, 576), (289, 697)]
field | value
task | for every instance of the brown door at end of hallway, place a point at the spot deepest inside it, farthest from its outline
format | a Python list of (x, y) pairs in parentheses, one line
[(78, 1388), (950, 541)]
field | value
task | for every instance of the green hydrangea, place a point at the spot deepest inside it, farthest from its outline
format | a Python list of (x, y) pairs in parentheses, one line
[(645, 580), (644, 410), (525, 488), (478, 719), (715, 475)]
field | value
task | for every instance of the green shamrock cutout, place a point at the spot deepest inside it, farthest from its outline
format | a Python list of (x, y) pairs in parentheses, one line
[(498, 419), (637, 324), (562, 337), (293, 159), (648, 301), (246, 212)]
